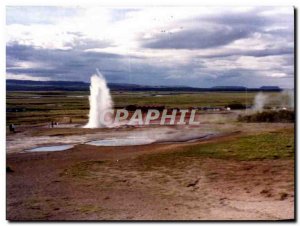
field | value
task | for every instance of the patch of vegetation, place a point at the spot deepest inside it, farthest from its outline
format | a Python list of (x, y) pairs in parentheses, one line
[(89, 209), (82, 169), (253, 147), (236, 106), (270, 145), (269, 116), (184, 100), (38, 208)]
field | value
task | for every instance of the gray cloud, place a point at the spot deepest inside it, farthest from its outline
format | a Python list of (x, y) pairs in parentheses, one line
[(78, 65), (215, 31), (81, 42), (62, 64), (197, 38), (254, 53)]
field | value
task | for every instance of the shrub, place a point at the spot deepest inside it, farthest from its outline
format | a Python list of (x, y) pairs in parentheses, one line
[(236, 106), (269, 116)]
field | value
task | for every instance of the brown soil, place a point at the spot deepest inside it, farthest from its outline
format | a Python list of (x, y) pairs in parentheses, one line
[(106, 183)]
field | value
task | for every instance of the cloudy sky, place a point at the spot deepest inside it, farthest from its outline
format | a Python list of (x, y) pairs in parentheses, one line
[(193, 46)]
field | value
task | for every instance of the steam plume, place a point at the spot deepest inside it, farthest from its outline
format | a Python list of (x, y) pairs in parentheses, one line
[(100, 103), (284, 99), (260, 101)]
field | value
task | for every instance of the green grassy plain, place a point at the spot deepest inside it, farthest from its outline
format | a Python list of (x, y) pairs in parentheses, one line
[(265, 145), (43, 107)]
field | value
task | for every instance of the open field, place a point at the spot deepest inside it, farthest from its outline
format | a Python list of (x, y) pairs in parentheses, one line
[(42, 107), (239, 171)]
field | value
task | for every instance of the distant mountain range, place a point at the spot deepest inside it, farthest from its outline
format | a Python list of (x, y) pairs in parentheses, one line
[(28, 85)]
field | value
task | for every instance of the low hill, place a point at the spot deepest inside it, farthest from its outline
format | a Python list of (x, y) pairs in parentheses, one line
[(28, 85)]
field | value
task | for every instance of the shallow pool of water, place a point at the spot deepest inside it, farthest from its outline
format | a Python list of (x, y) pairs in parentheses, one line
[(128, 141), (150, 139), (51, 148)]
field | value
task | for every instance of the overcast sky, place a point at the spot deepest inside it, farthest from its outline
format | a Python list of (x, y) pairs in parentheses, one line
[(194, 46)]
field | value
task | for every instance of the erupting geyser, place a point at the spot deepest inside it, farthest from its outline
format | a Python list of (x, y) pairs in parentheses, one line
[(100, 103)]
